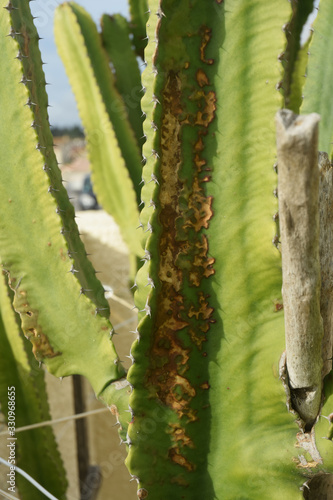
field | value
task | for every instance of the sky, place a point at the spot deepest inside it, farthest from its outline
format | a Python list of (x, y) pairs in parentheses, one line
[(63, 110)]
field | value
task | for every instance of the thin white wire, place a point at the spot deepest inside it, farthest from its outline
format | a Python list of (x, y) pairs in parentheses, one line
[(56, 421), (30, 479), (7, 495), (121, 301), (125, 322)]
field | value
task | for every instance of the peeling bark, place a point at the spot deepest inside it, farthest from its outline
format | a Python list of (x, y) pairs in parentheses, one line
[(298, 188)]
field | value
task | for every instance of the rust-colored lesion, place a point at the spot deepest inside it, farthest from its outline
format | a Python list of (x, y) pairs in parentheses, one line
[(185, 210), (206, 34), (200, 207), (203, 311), (206, 114), (26, 40), (202, 265), (40, 344), (202, 78), (181, 441), (29, 322), (142, 493)]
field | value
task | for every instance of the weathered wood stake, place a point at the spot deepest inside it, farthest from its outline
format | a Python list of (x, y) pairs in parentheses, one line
[(298, 192)]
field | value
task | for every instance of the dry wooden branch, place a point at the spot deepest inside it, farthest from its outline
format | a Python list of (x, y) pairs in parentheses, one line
[(298, 191)]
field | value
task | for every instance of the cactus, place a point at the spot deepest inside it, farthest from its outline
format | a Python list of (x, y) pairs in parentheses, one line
[(208, 415), (20, 369)]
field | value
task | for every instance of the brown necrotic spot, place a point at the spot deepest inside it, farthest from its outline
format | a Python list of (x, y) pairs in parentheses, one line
[(184, 212), (206, 34), (278, 307), (179, 459), (182, 441), (206, 115), (41, 347), (32, 330), (200, 207), (203, 312), (202, 78), (142, 493)]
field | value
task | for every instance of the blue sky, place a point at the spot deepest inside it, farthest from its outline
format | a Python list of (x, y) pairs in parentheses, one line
[(63, 111)]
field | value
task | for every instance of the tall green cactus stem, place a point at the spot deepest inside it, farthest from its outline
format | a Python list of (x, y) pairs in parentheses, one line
[(170, 396), (293, 56), (113, 150), (318, 95), (138, 17), (115, 34), (59, 299)]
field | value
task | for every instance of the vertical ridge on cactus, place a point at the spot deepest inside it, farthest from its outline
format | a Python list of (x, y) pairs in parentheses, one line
[(115, 33), (139, 11), (113, 150)]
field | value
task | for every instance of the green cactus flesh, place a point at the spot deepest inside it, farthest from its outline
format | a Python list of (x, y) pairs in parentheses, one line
[(19, 371), (318, 95), (293, 78), (113, 150), (208, 410), (138, 17), (115, 34), (59, 299)]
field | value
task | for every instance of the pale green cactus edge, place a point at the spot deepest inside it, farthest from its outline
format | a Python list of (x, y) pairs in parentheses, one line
[(60, 301), (23, 380)]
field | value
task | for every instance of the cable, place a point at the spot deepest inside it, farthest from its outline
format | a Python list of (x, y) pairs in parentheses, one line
[(30, 479), (7, 495), (56, 421)]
